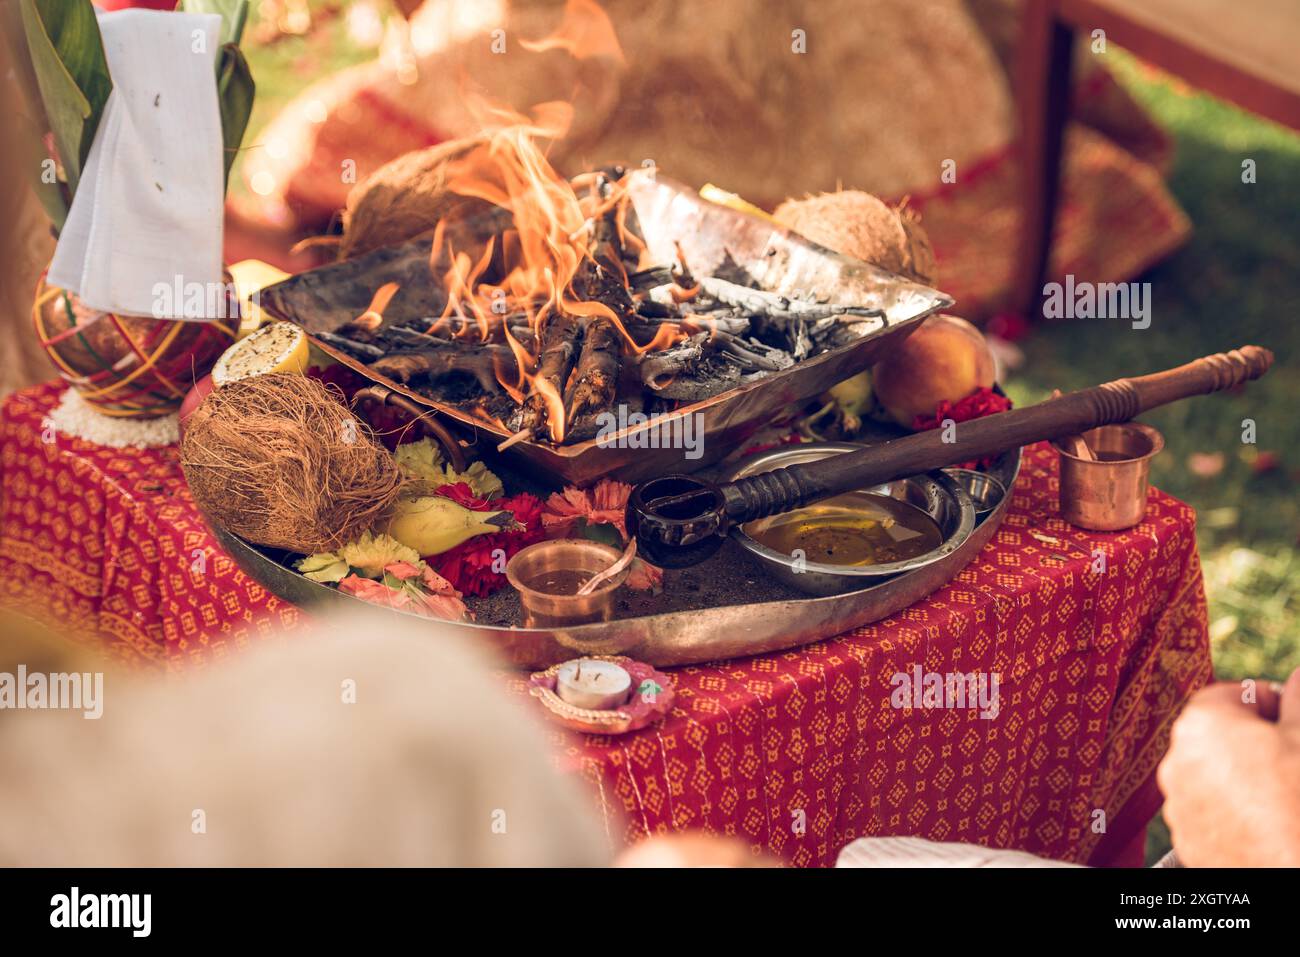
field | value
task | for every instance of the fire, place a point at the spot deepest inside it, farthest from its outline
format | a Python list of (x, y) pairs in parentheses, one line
[(522, 287), (584, 32), (374, 314)]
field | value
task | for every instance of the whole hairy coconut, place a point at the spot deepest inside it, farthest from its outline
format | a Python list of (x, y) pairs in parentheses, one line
[(406, 198), (860, 225), (279, 460), (946, 359)]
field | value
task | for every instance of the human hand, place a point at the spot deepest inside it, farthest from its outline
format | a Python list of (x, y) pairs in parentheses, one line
[(1231, 779)]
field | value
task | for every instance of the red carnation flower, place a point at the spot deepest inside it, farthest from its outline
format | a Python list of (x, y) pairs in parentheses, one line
[(603, 504), (574, 512), (463, 495), (983, 401)]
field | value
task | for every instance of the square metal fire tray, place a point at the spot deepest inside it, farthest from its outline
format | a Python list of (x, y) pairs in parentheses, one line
[(713, 239)]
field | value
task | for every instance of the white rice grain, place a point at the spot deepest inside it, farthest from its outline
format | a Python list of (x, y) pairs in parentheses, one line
[(76, 417)]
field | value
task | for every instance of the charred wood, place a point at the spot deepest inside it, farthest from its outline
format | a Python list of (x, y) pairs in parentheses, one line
[(559, 349), (437, 362)]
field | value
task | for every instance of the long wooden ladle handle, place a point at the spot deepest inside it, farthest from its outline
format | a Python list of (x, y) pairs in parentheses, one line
[(1117, 401)]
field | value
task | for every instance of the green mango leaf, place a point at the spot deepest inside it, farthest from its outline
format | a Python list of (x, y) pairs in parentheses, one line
[(235, 87), (234, 14), (235, 90), (20, 58), (50, 191), (72, 74)]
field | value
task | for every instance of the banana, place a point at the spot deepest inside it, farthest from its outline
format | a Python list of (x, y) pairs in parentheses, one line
[(432, 524)]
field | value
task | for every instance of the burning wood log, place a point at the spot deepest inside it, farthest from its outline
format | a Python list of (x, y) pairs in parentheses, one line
[(659, 369), (595, 381), (761, 302), (706, 364), (753, 354), (405, 366), (358, 350), (594, 385), (719, 325), (647, 279), (559, 340)]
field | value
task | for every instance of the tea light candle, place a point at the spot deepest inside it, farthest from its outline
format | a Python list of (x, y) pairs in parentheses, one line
[(592, 683)]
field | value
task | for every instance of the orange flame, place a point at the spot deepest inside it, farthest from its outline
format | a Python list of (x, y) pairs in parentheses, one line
[(585, 33), (525, 276), (374, 314)]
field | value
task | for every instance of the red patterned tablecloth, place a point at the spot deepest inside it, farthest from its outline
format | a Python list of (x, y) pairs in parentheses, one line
[(108, 542), (797, 753)]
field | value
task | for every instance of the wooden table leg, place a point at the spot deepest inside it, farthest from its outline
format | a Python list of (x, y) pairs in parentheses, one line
[(1043, 103)]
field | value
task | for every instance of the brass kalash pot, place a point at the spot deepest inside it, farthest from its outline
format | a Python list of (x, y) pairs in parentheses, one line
[(128, 366)]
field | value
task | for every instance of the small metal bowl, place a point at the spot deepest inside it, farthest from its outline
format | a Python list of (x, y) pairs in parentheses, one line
[(984, 490), (937, 495), (544, 609)]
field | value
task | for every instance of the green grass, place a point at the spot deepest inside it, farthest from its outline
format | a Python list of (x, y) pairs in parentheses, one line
[(1237, 281)]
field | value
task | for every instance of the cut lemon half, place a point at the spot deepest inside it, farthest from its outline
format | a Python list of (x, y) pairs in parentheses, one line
[(277, 347)]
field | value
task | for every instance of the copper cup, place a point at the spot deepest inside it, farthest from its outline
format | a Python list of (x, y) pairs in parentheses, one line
[(1110, 493), (531, 567)]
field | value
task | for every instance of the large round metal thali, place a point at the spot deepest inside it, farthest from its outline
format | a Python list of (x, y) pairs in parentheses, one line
[(677, 637)]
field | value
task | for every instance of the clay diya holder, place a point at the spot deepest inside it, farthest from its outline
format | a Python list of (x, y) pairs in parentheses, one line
[(644, 706)]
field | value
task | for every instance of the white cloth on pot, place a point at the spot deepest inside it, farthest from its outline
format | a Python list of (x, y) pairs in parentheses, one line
[(146, 219)]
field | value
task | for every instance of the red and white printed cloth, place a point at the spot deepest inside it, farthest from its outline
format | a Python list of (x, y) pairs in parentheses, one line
[(797, 753)]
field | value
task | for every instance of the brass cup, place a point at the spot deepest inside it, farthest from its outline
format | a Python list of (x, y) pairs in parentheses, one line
[(1110, 493), (546, 610)]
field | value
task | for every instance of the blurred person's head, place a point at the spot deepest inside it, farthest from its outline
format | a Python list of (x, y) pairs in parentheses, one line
[(373, 741)]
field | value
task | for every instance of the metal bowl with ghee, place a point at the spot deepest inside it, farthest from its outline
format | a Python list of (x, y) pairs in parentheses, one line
[(851, 540)]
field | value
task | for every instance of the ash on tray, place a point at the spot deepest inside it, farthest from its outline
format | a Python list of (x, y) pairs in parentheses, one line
[(728, 578)]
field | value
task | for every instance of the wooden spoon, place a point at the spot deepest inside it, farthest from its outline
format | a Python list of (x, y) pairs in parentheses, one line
[(1078, 447)]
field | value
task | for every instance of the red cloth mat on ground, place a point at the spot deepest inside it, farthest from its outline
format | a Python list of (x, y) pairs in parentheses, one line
[(798, 752)]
